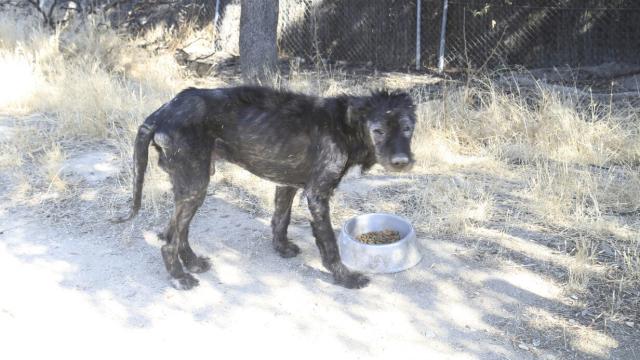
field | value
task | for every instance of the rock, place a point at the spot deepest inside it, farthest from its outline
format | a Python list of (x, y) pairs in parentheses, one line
[(535, 342), (6, 133), (94, 167)]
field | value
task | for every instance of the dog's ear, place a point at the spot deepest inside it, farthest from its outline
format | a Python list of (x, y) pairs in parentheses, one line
[(356, 110)]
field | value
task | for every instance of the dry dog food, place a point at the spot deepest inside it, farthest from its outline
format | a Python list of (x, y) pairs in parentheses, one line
[(379, 237)]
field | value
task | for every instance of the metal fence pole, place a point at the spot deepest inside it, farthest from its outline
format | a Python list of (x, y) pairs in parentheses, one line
[(216, 17), (443, 32), (418, 12), (217, 14)]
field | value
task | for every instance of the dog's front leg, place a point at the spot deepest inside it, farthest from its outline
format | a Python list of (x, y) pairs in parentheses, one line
[(326, 242)]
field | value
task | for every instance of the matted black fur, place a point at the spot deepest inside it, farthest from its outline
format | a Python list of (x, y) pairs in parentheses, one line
[(294, 140)]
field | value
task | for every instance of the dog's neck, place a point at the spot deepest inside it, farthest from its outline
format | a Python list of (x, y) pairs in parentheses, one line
[(365, 156), (361, 151)]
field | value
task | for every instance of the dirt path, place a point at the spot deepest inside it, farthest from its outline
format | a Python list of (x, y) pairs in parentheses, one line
[(101, 291), (92, 288)]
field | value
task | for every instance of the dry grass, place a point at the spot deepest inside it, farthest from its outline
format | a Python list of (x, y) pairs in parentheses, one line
[(577, 161), (488, 152), (81, 84)]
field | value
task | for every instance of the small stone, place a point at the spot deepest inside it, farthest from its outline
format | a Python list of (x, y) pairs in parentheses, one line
[(429, 334), (535, 342), (523, 347), (574, 297), (629, 323)]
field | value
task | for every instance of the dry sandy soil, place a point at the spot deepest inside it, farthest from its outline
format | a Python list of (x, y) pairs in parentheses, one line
[(76, 286)]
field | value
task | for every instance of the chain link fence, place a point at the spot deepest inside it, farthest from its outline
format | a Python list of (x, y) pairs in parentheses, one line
[(479, 33), (541, 33)]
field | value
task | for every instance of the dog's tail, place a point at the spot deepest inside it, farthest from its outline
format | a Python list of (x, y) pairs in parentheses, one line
[(140, 160)]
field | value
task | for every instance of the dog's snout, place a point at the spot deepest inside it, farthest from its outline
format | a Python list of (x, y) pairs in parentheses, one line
[(400, 160)]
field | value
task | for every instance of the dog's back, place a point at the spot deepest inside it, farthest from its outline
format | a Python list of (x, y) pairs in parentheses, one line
[(273, 134)]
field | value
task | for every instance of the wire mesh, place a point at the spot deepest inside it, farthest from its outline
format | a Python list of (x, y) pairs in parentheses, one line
[(480, 33), (539, 33)]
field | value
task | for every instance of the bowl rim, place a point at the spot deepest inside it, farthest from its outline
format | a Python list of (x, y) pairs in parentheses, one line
[(404, 239)]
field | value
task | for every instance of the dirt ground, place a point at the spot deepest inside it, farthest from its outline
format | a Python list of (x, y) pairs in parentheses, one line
[(524, 198), (76, 286)]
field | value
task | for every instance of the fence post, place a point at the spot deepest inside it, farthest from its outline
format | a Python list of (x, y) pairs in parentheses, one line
[(418, 12), (217, 15), (443, 32)]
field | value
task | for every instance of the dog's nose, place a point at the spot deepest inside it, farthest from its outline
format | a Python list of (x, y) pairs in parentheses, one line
[(399, 160)]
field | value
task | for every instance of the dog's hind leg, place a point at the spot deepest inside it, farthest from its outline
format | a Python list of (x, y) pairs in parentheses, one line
[(193, 262), (168, 232), (190, 177), (280, 222)]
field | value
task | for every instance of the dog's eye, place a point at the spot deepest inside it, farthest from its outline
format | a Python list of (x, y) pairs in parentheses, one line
[(378, 132)]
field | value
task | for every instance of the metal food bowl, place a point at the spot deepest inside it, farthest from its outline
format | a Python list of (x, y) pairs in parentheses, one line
[(386, 258)]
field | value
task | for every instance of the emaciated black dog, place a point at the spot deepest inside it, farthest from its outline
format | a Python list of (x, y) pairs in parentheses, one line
[(294, 140)]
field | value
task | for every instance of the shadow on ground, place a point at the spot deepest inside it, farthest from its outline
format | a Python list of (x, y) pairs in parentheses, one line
[(87, 273)]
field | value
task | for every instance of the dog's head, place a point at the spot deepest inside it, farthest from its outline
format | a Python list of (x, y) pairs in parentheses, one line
[(387, 120)]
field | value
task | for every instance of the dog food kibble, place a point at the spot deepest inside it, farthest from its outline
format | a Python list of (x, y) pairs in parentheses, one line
[(379, 237)]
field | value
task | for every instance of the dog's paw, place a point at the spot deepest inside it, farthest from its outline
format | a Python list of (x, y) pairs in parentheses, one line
[(347, 278), (198, 264), (163, 236), (352, 280), (286, 249), (185, 282)]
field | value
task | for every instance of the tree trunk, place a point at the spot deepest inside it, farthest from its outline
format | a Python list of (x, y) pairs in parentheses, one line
[(258, 40)]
